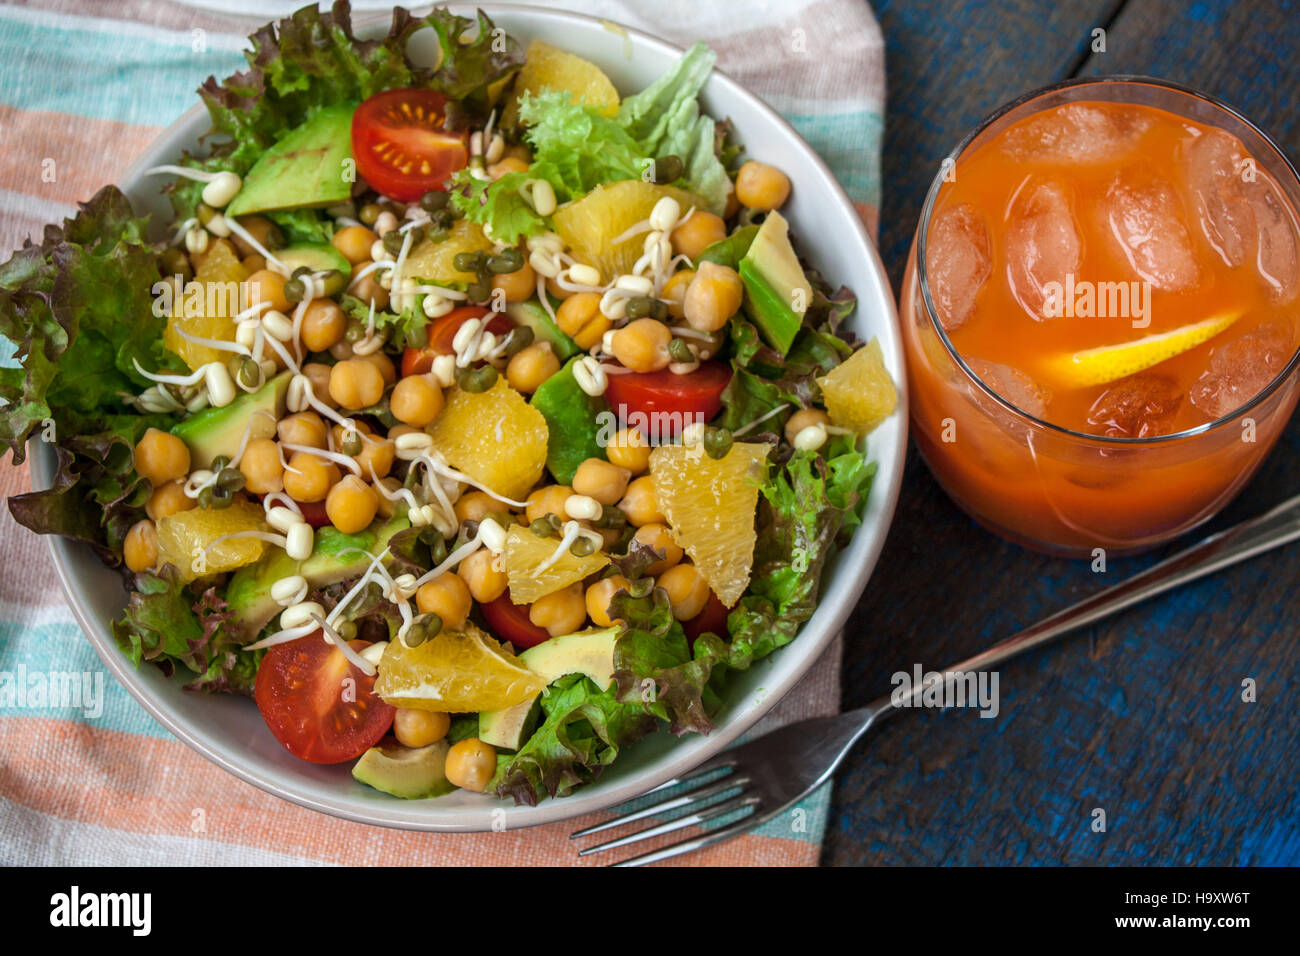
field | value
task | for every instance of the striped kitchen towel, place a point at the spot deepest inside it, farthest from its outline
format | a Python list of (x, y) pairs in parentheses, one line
[(84, 86)]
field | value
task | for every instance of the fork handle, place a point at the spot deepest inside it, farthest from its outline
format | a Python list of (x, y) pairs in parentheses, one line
[(1254, 536)]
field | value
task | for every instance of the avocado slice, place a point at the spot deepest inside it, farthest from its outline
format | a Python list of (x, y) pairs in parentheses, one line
[(316, 256), (219, 431), (777, 293), (333, 559), (532, 314), (572, 422), (589, 652), (411, 773), (729, 251), (304, 168)]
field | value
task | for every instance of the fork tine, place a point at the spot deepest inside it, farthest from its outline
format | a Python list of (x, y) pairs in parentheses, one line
[(691, 844), (700, 816), (728, 782)]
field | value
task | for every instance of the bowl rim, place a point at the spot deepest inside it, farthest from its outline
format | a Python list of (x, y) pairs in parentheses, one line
[(923, 279), (681, 758)]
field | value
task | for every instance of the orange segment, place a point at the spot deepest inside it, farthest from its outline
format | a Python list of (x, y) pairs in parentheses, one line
[(525, 552), (182, 538), (207, 308), (435, 261), (1110, 363), (495, 437), (710, 505), (455, 672), (588, 224), (547, 67), (859, 394)]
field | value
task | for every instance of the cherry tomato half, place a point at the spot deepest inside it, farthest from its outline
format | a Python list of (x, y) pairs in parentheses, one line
[(442, 332), (301, 692), (509, 622), (400, 145), (665, 401), (713, 618)]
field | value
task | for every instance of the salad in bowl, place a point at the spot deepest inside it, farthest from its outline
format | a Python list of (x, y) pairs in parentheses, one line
[(475, 420)]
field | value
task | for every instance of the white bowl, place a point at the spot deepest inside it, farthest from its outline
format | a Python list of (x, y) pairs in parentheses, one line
[(229, 731)]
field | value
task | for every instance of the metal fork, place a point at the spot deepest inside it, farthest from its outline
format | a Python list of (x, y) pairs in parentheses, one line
[(764, 777)]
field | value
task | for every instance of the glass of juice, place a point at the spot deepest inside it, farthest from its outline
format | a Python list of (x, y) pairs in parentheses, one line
[(1101, 314)]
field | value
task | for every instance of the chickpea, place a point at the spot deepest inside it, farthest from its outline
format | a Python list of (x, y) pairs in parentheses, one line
[(597, 478), (675, 291), (376, 450), (169, 499), (318, 373), (419, 728), (476, 505), (416, 400), (642, 344), (733, 204), (356, 383), (600, 594), (253, 263), (560, 612), (713, 297), (381, 361), (354, 242), (657, 536), (532, 366), (803, 419), (518, 286), (261, 229), (161, 457), (629, 449), (556, 292), (397, 431), (688, 592), (323, 324), (485, 582), (261, 467), (640, 504), (447, 596), (140, 549), (580, 318), (471, 764), (309, 477), (760, 186), (302, 428), (696, 234), (351, 504), (267, 286), (368, 290), (507, 164), (548, 500)]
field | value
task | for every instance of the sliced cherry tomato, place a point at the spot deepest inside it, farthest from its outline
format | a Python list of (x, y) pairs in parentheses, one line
[(442, 332), (713, 618), (666, 401), (509, 622), (304, 700), (400, 145)]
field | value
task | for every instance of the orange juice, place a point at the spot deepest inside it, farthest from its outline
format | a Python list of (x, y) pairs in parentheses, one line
[(1108, 347)]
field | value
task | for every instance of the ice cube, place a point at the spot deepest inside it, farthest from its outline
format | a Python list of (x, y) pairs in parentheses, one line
[(1275, 251), (1239, 370), (1146, 219), (1013, 385), (1140, 406), (1043, 246), (958, 262), (1213, 165), (1077, 132)]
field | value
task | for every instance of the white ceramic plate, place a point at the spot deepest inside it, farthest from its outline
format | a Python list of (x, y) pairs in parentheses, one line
[(229, 731)]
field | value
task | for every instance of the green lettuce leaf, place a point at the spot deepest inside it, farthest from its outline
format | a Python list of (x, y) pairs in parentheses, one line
[(665, 120), (79, 308), (576, 147), (497, 205), (302, 225)]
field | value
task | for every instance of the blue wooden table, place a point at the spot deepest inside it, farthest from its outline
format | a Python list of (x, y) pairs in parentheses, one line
[(1142, 716)]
